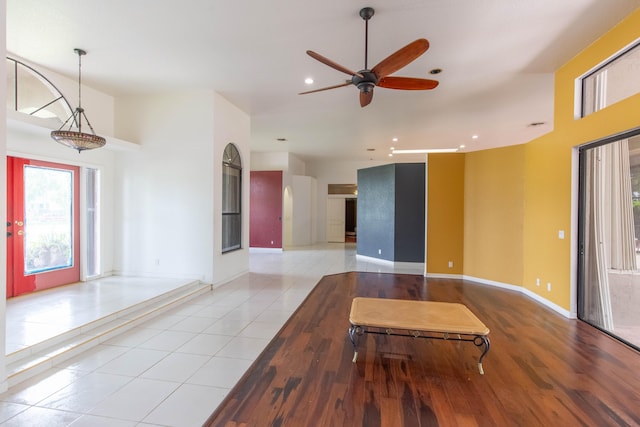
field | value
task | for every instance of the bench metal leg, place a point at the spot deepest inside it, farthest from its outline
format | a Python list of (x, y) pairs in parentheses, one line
[(482, 340), (354, 334)]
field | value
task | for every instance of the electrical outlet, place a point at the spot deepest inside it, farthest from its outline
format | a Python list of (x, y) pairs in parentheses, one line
[(538, 281), (549, 286), (450, 264), (379, 251)]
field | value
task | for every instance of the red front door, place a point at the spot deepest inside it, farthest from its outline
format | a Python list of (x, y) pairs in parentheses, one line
[(43, 247)]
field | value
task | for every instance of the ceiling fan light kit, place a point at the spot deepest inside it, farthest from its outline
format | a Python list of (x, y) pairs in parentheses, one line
[(367, 79), (78, 140)]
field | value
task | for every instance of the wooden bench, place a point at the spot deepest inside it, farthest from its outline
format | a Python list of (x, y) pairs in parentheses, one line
[(418, 319)]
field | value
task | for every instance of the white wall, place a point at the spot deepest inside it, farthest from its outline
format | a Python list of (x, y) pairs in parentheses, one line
[(303, 213), (296, 165), (165, 207), (278, 161), (171, 215), (270, 161), (287, 218), (230, 125)]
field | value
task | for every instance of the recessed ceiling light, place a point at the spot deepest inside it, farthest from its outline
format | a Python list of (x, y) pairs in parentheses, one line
[(371, 149), (390, 154), (395, 139), (474, 136), (308, 81), (392, 148), (281, 139), (435, 71), (462, 146)]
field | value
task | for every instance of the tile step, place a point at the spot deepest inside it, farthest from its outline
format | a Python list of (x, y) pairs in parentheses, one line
[(28, 362)]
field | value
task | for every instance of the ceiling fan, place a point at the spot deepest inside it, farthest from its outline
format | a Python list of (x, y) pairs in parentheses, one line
[(365, 80)]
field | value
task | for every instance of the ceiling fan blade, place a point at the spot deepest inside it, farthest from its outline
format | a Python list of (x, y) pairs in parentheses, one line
[(407, 83), (330, 63), (400, 58), (325, 88), (366, 97)]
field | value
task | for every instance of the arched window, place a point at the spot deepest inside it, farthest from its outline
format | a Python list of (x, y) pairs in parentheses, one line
[(231, 199), (30, 92)]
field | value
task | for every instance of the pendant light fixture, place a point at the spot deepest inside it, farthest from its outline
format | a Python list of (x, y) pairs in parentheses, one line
[(78, 140)]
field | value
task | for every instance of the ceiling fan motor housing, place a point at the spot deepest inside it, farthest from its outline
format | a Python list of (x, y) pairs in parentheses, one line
[(367, 82)]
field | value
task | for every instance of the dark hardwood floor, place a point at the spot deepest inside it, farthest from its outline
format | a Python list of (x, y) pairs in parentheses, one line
[(542, 369)]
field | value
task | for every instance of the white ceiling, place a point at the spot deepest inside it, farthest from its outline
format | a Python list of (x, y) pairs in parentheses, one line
[(497, 56)]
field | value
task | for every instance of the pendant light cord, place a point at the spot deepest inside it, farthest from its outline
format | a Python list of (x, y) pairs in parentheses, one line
[(80, 110)]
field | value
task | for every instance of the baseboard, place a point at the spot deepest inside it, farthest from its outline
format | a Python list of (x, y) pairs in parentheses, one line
[(397, 264), (151, 275), (444, 276), (266, 250), (525, 291)]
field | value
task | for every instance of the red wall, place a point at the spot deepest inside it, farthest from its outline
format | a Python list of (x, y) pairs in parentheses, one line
[(265, 218)]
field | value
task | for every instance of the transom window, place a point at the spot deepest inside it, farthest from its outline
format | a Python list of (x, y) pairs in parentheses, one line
[(30, 92), (616, 79), (231, 199)]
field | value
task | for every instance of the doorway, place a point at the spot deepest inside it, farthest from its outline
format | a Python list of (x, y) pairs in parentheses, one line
[(342, 219), (351, 220), (609, 227), (43, 227)]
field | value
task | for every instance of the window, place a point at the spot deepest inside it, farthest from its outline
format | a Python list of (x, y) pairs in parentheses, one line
[(616, 79), (92, 222), (29, 92), (231, 199)]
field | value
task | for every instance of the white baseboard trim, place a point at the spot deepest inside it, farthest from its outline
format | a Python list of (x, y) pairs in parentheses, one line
[(374, 260), (266, 250), (525, 291), (444, 276), (398, 264), (149, 275)]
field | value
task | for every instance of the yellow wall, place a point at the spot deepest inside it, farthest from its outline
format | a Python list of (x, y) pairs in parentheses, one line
[(494, 191), (549, 167), (445, 221), (534, 183)]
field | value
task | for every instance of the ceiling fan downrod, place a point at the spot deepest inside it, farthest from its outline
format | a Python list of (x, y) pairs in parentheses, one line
[(366, 13)]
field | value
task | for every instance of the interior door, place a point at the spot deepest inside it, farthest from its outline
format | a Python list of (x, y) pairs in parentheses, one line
[(335, 220), (265, 213), (43, 231)]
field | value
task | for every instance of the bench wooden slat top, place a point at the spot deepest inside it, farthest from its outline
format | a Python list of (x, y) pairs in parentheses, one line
[(414, 315)]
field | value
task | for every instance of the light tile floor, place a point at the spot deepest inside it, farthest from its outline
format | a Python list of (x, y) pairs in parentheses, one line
[(176, 368)]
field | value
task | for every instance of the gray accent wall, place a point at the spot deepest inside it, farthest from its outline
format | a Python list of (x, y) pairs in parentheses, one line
[(391, 212)]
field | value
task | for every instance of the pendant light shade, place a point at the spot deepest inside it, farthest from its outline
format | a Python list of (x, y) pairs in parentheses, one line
[(78, 140)]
